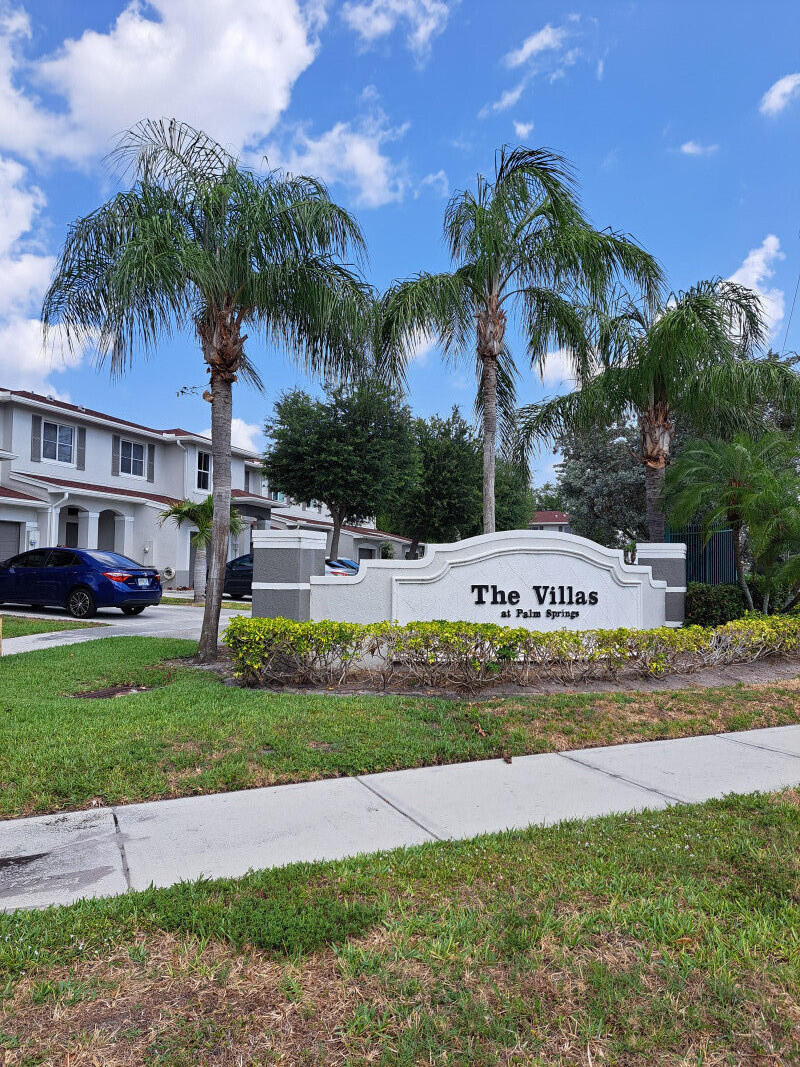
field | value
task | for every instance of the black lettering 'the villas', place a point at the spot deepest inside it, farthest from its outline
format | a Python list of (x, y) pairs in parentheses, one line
[(563, 594)]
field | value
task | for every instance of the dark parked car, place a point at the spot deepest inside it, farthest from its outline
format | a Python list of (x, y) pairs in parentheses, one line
[(239, 576), (80, 580), (239, 573)]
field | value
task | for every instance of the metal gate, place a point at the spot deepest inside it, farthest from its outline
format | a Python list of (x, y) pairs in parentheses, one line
[(709, 561)]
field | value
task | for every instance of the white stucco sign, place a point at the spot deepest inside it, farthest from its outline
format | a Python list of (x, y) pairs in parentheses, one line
[(535, 579)]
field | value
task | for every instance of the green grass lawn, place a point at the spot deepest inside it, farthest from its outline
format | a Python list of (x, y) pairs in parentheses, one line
[(191, 733), (17, 626), (658, 939)]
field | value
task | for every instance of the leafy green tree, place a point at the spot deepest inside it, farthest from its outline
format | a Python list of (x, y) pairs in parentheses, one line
[(199, 514), (600, 486), (202, 242), (520, 245), (692, 359), (548, 497), (353, 451), (514, 496), (734, 484), (442, 501)]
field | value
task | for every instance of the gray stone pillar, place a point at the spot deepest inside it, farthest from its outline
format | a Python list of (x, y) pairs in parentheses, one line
[(283, 562), (667, 562)]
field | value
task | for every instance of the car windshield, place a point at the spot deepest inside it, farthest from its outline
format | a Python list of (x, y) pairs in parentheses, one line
[(114, 559)]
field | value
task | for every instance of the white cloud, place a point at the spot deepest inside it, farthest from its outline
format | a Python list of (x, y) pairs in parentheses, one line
[(372, 19), (543, 53), (244, 435), (776, 98), (558, 371), (350, 153), (438, 182), (548, 38), (424, 344), (227, 66), (694, 148), (523, 129), (508, 99), (25, 271), (601, 68), (756, 270)]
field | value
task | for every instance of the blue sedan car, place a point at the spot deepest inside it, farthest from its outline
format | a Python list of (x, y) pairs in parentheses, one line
[(80, 580)]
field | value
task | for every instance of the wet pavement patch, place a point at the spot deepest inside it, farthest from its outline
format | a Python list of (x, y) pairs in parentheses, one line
[(14, 862)]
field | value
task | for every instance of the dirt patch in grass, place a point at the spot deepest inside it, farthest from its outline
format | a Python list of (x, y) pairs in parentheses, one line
[(111, 691)]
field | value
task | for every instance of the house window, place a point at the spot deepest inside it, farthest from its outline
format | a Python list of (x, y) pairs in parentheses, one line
[(203, 470), (57, 442), (131, 458)]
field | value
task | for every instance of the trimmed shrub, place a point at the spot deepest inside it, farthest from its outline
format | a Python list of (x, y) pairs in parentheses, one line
[(471, 656), (713, 605)]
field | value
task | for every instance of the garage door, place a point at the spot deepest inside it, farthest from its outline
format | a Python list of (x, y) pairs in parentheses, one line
[(9, 539)]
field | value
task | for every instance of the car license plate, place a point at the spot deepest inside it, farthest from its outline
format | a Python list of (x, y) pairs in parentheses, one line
[(143, 581)]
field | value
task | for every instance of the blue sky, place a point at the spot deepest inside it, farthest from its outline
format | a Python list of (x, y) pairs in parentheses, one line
[(681, 117)]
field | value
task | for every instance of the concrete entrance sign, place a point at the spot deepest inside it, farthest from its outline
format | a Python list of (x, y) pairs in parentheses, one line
[(529, 578)]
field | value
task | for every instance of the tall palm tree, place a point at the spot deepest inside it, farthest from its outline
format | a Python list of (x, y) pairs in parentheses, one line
[(692, 359), (521, 245), (201, 241), (730, 483), (199, 514)]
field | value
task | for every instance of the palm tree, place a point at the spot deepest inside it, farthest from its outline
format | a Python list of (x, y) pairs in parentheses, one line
[(730, 483), (691, 358), (201, 516), (520, 244), (201, 241)]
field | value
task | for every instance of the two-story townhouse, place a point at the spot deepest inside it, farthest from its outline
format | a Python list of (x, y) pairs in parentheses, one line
[(73, 476)]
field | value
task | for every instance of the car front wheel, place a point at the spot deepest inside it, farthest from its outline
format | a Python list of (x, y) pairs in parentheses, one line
[(81, 604), (133, 609)]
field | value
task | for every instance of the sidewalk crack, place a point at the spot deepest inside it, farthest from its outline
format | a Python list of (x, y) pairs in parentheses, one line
[(399, 810), (121, 846), (621, 778), (758, 748)]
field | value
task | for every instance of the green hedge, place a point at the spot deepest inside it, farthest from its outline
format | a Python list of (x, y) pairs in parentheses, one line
[(445, 655), (713, 605)]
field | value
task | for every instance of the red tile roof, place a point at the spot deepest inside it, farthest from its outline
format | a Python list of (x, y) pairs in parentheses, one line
[(12, 494), (550, 516), (106, 489)]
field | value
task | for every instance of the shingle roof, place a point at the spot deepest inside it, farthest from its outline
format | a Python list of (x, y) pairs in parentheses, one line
[(551, 516)]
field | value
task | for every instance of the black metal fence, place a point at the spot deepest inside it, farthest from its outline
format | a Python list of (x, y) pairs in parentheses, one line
[(708, 561)]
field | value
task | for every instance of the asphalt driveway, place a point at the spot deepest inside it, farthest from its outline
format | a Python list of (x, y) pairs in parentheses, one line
[(166, 620)]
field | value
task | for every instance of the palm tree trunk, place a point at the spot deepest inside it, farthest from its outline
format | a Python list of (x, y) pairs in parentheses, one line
[(221, 416), (654, 489), (199, 575), (338, 518), (736, 528), (489, 441), (655, 433)]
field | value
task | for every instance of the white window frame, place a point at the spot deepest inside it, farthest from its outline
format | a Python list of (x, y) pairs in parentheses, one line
[(133, 444), (202, 470), (71, 462)]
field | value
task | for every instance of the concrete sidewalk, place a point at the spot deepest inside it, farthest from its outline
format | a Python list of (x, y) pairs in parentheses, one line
[(56, 859)]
